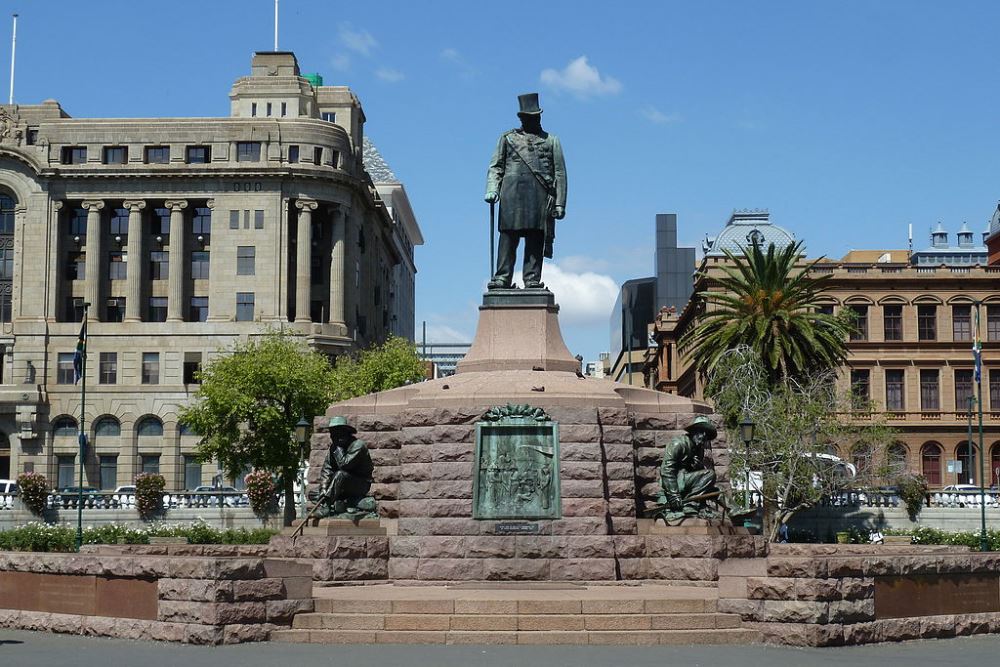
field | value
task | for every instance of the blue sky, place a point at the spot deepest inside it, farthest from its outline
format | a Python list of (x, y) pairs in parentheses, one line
[(847, 120)]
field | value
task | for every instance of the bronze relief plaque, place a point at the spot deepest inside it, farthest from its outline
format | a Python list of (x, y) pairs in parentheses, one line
[(935, 594), (516, 474)]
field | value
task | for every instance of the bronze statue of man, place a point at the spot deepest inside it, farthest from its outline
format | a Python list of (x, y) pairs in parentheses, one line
[(686, 483), (527, 175), (346, 478)]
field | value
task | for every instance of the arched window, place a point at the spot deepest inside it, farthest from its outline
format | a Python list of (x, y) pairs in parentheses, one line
[(861, 457), (930, 463), (896, 458), (107, 427), (995, 464), (7, 220), (150, 426), (64, 426), (967, 455), (187, 430)]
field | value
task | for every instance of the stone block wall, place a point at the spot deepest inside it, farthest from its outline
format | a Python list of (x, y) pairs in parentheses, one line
[(829, 595), (192, 599)]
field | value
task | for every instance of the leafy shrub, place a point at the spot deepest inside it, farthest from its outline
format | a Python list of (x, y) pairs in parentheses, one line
[(260, 492), (961, 538), (913, 492), (34, 490), (36, 536), (149, 494)]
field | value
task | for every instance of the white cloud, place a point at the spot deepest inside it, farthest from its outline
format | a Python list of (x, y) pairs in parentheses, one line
[(442, 333), (389, 75), (581, 79), (582, 264), (458, 61), (654, 115), (341, 62), (583, 297), (359, 41)]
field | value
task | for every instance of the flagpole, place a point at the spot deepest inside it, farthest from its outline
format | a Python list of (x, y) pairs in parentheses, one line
[(82, 438), (13, 51), (983, 541)]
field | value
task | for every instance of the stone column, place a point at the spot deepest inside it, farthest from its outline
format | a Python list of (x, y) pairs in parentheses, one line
[(303, 264), (133, 275), (95, 249), (338, 281), (350, 260), (176, 263)]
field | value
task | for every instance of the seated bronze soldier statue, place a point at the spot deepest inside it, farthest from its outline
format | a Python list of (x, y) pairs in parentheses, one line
[(686, 483), (346, 478)]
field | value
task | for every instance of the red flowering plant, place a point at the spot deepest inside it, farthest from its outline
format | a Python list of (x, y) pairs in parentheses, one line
[(149, 494), (261, 492), (34, 491)]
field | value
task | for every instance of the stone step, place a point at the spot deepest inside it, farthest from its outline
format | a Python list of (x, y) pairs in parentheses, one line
[(514, 606), (514, 622), (629, 637)]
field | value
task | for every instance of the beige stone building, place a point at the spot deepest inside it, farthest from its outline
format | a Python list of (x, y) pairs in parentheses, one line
[(184, 234), (913, 357)]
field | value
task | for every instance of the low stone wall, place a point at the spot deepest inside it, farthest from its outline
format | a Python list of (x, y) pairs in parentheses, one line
[(824, 522), (200, 599), (828, 595)]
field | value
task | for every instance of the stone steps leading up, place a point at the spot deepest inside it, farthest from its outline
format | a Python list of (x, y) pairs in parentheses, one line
[(548, 637), (517, 614)]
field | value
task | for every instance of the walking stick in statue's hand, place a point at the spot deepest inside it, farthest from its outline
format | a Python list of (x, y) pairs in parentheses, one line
[(493, 232), (319, 503)]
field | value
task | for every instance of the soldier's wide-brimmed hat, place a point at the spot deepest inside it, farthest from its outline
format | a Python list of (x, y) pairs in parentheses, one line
[(340, 424), (702, 423), (529, 104)]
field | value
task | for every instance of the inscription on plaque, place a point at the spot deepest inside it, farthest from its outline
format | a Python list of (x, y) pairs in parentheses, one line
[(515, 528), (516, 473), (935, 594)]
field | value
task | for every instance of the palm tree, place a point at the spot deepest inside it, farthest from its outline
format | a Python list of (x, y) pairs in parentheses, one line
[(770, 306)]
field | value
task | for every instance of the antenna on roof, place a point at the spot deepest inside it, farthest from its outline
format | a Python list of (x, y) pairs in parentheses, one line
[(275, 25), (13, 50), (910, 236)]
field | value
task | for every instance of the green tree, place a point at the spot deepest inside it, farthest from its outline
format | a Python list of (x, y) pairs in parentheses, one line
[(250, 400), (765, 303), (383, 367)]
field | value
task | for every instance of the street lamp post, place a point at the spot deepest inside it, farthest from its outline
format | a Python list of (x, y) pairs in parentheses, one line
[(302, 438), (746, 435)]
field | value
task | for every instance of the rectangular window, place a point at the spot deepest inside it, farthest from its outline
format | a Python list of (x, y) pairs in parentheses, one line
[(993, 323), (961, 322), (199, 265), (64, 368), (115, 311), (246, 259), (199, 309), (234, 219), (253, 108), (198, 154), (201, 223), (31, 138), (930, 396), (74, 154), (860, 323), (248, 151), (246, 219), (192, 472), (76, 266), (119, 265), (157, 154), (109, 472), (157, 309), (258, 219), (329, 116), (192, 366), (74, 309), (108, 368), (334, 158), (161, 224), (995, 389), (244, 306), (894, 390), (860, 388), (293, 154), (927, 322), (66, 467), (159, 262), (78, 224), (151, 368), (150, 463), (318, 155), (284, 108), (118, 225), (115, 154), (893, 322), (963, 390), (268, 109)]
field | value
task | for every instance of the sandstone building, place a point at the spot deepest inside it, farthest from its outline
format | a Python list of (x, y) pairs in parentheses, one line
[(913, 355), (184, 234)]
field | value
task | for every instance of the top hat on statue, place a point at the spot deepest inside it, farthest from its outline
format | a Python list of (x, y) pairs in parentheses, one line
[(529, 104)]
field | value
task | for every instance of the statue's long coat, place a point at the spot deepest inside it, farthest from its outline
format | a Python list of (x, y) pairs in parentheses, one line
[(525, 204)]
